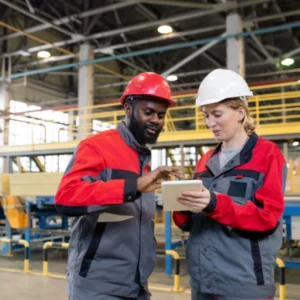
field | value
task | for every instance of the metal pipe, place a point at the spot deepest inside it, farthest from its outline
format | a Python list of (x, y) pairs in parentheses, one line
[(191, 15), (70, 18), (192, 56), (155, 50)]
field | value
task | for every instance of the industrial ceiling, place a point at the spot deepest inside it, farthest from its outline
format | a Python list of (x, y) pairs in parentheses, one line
[(126, 41)]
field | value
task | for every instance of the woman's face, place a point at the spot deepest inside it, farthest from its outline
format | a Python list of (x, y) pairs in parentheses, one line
[(223, 121)]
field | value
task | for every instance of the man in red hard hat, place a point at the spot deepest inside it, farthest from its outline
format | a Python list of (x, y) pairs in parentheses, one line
[(110, 193)]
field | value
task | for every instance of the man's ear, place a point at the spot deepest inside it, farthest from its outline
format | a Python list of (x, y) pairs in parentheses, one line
[(128, 110)]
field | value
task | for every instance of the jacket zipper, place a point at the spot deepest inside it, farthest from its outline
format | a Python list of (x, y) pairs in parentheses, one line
[(138, 275)]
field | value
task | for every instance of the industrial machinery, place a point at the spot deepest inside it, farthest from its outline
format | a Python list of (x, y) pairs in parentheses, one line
[(27, 207)]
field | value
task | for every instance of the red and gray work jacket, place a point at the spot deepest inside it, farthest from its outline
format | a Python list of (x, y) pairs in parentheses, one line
[(112, 246), (233, 243)]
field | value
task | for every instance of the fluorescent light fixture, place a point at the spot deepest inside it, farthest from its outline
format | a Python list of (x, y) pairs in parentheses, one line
[(287, 61), (165, 29), (295, 144), (43, 54), (172, 78)]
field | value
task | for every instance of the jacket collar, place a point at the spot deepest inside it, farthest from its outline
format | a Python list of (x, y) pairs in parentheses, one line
[(241, 158)]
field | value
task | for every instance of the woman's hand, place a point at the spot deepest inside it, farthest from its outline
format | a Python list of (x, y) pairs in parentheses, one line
[(196, 201)]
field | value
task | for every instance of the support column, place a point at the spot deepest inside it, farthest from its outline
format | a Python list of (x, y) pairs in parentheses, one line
[(4, 107), (85, 91), (235, 46)]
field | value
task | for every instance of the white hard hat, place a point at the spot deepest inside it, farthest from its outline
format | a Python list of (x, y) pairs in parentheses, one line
[(222, 84)]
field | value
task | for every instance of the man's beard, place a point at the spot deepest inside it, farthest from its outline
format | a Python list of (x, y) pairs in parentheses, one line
[(140, 133)]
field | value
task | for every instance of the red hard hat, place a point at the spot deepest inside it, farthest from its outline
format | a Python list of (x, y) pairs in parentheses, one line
[(148, 84)]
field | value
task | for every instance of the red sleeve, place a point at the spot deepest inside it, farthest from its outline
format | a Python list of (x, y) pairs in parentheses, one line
[(81, 191), (250, 217), (183, 220)]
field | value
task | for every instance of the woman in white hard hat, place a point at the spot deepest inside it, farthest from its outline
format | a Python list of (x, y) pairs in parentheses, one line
[(235, 224)]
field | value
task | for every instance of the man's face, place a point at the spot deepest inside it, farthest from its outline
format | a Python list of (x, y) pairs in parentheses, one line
[(147, 119)]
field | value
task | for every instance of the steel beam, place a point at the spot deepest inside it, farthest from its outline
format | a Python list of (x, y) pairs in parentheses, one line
[(70, 18), (247, 23), (158, 49), (191, 15), (191, 56)]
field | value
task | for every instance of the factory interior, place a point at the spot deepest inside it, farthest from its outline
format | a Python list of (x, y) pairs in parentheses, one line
[(64, 67)]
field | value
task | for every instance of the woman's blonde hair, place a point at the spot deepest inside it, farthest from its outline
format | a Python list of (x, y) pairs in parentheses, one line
[(247, 122)]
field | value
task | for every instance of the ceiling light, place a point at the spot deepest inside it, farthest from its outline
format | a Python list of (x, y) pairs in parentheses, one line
[(172, 78), (287, 61), (165, 29), (295, 144), (43, 54)]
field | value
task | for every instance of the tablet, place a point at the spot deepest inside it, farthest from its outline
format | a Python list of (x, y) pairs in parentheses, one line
[(171, 189)]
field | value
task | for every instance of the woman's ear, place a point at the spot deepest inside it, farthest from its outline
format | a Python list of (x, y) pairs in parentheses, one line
[(242, 114)]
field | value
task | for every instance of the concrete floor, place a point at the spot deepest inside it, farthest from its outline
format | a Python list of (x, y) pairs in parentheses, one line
[(14, 285), (30, 287), (36, 287)]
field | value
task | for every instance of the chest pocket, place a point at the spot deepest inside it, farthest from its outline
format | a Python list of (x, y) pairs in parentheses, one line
[(242, 185)]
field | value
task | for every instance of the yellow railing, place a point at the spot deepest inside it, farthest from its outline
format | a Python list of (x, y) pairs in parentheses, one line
[(268, 109)]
